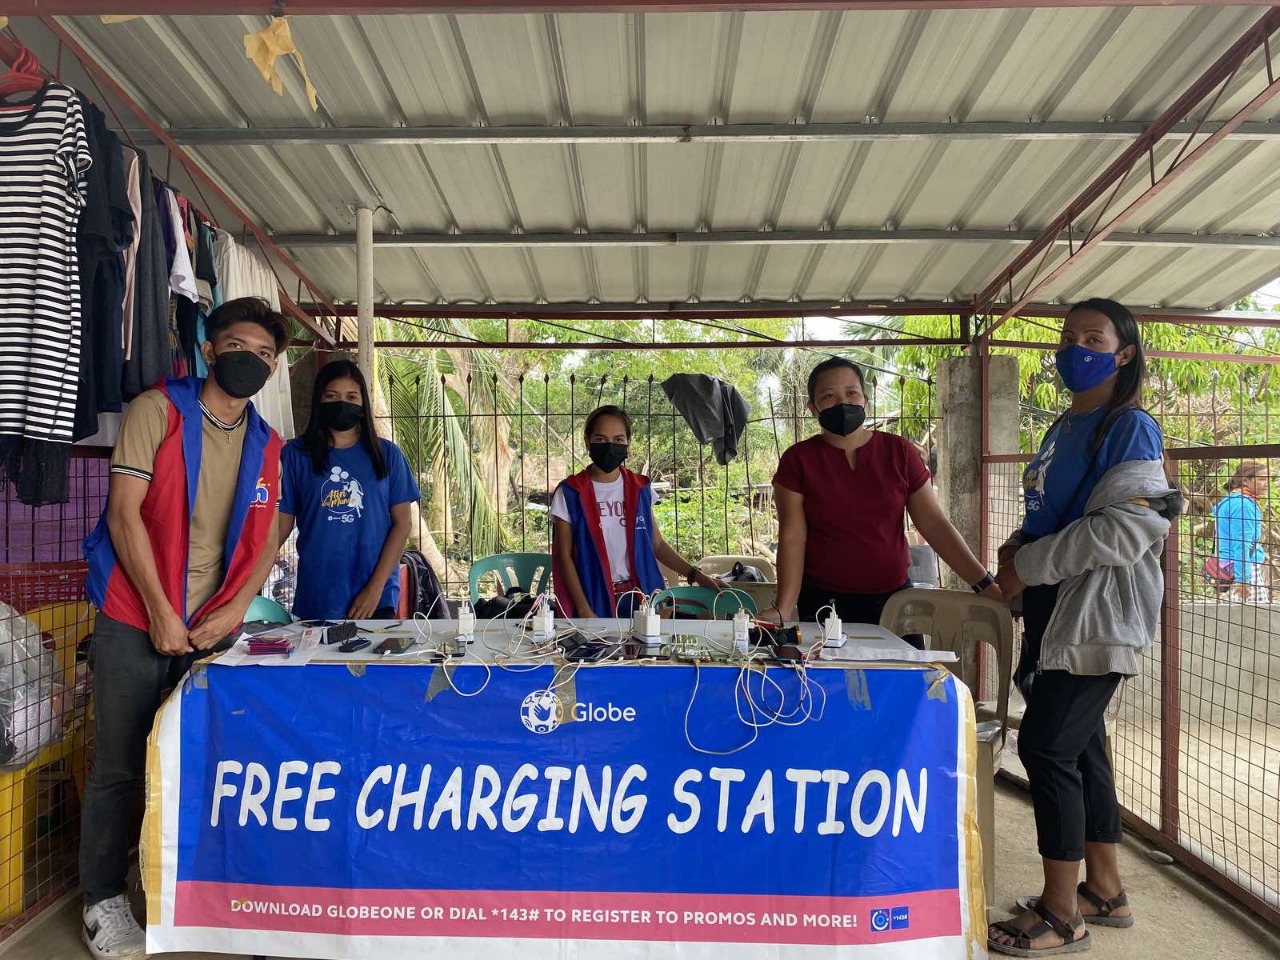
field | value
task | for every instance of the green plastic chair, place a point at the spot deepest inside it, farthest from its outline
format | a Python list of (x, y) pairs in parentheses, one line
[(266, 610), (700, 602), (529, 571)]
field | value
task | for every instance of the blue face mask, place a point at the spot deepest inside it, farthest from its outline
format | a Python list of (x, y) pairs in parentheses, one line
[(1082, 369)]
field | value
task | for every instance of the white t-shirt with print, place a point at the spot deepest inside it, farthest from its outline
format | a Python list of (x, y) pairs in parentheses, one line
[(613, 521)]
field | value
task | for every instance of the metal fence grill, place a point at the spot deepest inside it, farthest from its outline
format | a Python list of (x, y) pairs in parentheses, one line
[(45, 714), (489, 453), (1225, 645)]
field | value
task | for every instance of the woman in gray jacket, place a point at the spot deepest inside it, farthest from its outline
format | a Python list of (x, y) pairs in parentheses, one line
[(1086, 562)]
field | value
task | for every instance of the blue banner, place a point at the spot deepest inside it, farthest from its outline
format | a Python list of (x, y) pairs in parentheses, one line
[(616, 804)]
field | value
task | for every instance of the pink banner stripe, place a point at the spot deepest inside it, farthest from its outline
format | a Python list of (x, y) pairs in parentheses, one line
[(558, 915)]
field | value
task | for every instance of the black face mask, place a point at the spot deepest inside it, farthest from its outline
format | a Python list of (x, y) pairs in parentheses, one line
[(340, 415), (240, 373), (842, 419), (608, 456)]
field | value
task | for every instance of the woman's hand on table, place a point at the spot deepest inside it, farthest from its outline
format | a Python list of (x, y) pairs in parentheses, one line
[(366, 602)]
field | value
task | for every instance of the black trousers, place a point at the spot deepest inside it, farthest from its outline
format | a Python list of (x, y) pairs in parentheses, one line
[(129, 683), (850, 607), (1062, 745)]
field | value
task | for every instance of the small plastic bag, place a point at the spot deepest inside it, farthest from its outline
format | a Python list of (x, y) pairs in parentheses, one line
[(31, 696)]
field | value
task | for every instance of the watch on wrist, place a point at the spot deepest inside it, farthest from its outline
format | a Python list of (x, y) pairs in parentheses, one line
[(692, 575), (984, 583)]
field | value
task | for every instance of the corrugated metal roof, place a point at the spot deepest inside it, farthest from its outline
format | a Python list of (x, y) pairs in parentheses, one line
[(1047, 65)]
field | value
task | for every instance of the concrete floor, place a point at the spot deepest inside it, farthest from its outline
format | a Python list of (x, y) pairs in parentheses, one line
[(1179, 917)]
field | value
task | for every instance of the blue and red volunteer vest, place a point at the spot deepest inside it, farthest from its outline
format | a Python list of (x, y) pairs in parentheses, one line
[(169, 503), (589, 556)]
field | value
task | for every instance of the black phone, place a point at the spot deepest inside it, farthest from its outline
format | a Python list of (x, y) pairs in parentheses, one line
[(354, 644), (340, 632), (589, 652), (395, 645)]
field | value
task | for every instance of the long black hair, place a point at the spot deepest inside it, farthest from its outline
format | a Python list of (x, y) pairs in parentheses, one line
[(316, 439), (1130, 377)]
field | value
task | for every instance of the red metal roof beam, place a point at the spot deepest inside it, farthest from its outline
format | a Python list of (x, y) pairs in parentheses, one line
[(1114, 176), (196, 172), (356, 7)]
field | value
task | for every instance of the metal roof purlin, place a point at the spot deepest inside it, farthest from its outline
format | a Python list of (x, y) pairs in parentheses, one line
[(103, 76), (1113, 177), (691, 238), (685, 133)]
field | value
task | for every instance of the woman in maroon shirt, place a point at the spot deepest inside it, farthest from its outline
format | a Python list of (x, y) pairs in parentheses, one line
[(843, 497)]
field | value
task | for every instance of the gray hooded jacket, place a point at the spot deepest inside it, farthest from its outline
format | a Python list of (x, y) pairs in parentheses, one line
[(1108, 563)]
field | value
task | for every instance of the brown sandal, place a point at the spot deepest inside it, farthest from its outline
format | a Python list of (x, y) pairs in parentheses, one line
[(1021, 946), (1102, 909)]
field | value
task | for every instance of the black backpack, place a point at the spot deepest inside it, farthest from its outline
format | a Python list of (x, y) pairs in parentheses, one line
[(426, 595)]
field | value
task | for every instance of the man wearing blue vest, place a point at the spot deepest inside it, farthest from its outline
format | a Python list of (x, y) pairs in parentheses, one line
[(185, 543)]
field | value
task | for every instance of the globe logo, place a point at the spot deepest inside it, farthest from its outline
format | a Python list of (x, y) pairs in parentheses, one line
[(541, 711), (880, 920)]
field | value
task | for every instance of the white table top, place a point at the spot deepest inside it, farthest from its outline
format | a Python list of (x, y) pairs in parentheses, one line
[(501, 640)]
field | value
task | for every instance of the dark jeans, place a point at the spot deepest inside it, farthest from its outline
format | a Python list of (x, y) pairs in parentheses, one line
[(850, 607), (129, 682), (1062, 744)]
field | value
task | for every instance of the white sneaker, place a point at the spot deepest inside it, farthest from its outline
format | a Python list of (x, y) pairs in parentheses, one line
[(111, 933)]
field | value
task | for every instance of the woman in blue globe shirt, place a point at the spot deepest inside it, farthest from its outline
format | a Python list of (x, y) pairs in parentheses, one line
[(351, 495), (1086, 563)]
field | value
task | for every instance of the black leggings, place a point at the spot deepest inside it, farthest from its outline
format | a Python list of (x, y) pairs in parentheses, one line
[(850, 607), (1062, 745)]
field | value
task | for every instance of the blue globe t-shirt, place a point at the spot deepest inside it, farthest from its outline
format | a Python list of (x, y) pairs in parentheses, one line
[(1061, 477), (343, 517)]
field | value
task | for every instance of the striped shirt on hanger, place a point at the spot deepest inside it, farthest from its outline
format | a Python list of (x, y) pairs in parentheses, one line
[(44, 153)]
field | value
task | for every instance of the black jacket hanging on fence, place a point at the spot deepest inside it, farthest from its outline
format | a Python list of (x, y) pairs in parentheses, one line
[(714, 410)]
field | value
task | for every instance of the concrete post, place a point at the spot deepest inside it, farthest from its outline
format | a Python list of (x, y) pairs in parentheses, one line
[(364, 291), (960, 447)]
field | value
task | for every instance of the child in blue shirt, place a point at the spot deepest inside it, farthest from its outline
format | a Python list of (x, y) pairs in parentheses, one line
[(351, 495)]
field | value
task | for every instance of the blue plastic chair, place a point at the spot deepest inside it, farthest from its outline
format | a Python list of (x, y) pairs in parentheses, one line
[(528, 571), (704, 602)]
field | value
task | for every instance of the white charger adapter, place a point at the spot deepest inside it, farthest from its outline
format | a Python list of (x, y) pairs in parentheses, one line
[(544, 624), (833, 631), (741, 632), (466, 622)]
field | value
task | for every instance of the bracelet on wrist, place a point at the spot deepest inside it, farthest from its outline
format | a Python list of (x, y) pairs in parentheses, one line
[(987, 581)]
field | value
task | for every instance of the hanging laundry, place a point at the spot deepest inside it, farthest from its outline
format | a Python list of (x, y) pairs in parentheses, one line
[(44, 156), (182, 275), (149, 359), (266, 46), (242, 273), (105, 230), (134, 192)]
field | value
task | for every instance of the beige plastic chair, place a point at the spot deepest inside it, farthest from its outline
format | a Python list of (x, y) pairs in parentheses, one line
[(765, 595), (959, 622), (718, 566)]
